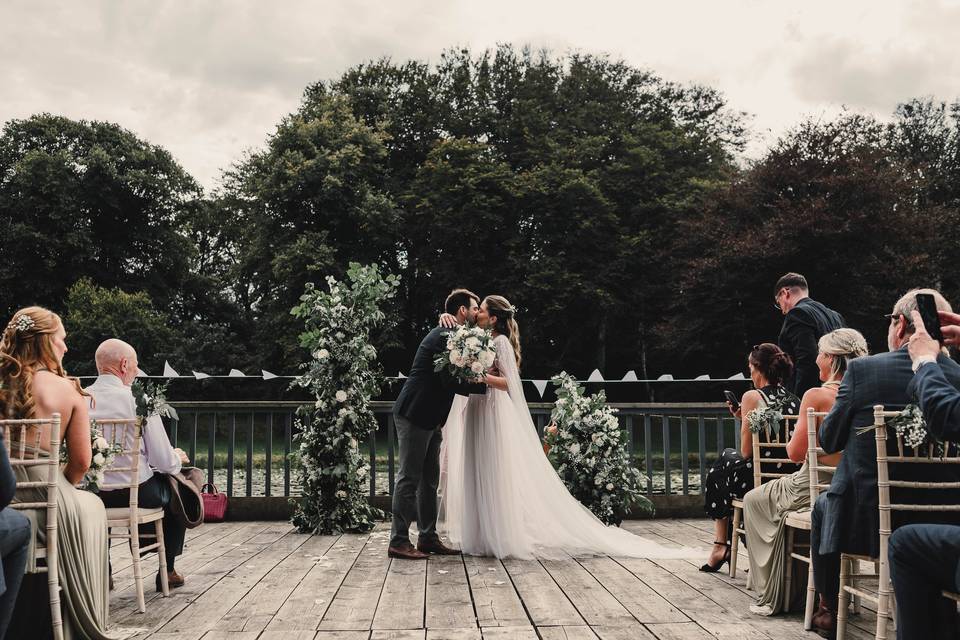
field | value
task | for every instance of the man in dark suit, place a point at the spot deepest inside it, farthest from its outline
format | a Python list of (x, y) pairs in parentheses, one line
[(805, 321), (845, 517), (419, 412), (14, 542), (925, 558)]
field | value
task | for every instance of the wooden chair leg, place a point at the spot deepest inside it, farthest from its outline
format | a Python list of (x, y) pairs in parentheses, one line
[(137, 568), (811, 600), (735, 542), (53, 583), (788, 571), (885, 598), (844, 603), (162, 553), (855, 571)]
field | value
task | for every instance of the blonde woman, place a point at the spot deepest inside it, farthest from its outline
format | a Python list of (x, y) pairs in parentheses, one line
[(502, 497), (766, 506), (33, 384)]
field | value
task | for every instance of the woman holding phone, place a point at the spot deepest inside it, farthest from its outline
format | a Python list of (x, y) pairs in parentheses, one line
[(732, 474)]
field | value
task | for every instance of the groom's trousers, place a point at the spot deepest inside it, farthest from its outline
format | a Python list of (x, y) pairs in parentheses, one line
[(415, 493)]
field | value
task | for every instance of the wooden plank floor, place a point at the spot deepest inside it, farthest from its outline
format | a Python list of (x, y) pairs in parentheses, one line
[(264, 581)]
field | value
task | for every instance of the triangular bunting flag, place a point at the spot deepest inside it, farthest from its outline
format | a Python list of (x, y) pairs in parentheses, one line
[(141, 373), (199, 375), (631, 376), (168, 371), (665, 377), (737, 376), (596, 376), (705, 376), (267, 375), (236, 373), (400, 375), (541, 386)]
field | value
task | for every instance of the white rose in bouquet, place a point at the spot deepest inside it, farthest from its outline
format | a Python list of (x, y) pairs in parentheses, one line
[(341, 396), (99, 459), (101, 443), (487, 358), (477, 367)]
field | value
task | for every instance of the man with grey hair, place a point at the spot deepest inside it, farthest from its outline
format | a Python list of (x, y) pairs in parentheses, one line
[(111, 398), (845, 517)]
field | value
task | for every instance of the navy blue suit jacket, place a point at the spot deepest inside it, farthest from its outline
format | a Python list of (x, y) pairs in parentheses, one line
[(939, 400), (8, 487), (851, 521)]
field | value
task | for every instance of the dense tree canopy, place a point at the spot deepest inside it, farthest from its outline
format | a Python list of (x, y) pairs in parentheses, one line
[(612, 207)]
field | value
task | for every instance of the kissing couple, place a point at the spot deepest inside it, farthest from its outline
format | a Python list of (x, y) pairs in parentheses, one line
[(501, 496)]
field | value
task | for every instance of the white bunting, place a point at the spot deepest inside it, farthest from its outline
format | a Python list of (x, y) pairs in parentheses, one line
[(168, 371), (141, 373), (596, 376), (199, 375), (236, 373), (631, 376), (400, 375), (665, 377), (705, 376), (541, 386), (267, 375), (737, 376)]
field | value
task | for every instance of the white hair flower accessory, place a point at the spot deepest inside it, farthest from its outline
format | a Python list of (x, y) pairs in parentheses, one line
[(23, 323)]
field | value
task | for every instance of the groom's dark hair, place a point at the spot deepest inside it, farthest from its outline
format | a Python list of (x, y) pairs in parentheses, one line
[(459, 298)]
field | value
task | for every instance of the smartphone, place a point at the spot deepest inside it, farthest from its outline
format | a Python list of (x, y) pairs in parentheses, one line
[(927, 307), (732, 399)]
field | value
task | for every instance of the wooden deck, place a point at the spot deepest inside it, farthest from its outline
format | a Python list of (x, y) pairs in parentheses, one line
[(263, 581)]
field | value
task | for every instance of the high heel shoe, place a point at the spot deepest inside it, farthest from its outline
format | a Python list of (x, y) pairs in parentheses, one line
[(714, 568)]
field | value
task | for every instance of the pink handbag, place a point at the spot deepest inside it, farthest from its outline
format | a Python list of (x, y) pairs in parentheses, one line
[(214, 503)]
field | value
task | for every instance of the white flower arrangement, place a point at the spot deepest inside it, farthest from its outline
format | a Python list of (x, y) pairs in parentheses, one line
[(470, 354), (910, 425), (343, 376), (586, 448), (102, 455)]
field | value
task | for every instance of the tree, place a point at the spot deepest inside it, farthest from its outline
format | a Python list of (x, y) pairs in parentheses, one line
[(89, 199)]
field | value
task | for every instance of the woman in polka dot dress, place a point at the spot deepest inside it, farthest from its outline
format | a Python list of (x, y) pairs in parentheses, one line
[(732, 474)]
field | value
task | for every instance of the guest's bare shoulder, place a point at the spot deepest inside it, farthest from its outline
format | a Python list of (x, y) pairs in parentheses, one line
[(820, 397), (54, 394)]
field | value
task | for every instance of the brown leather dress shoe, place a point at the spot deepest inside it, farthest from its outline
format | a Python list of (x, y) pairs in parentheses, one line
[(406, 552), (438, 548), (174, 580)]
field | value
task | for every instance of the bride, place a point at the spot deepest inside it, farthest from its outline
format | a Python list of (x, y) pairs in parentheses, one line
[(500, 495)]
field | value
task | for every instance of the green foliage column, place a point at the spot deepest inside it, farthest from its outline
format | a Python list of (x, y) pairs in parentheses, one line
[(343, 376)]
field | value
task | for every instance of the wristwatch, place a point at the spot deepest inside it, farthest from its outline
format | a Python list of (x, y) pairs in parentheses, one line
[(922, 360)]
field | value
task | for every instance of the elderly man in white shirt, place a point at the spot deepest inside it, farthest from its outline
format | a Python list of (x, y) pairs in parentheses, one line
[(111, 398)]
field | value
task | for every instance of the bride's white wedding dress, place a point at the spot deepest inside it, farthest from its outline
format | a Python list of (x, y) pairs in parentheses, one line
[(501, 496)]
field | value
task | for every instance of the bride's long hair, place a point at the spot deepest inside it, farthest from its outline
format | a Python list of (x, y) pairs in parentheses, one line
[(500, 308)]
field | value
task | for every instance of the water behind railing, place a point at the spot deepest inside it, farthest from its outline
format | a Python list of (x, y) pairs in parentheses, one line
[(245, 447)]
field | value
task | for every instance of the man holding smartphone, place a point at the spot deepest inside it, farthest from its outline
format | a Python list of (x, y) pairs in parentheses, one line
[(805, 322), (925, 558)]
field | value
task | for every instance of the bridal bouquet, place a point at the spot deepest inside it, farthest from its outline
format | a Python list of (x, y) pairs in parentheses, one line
[(588, 449), (152, 400), (102, 454), (470, 354)]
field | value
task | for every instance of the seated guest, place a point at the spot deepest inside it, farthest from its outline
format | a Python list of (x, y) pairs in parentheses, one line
[(925, 558), (845, 517), (14, 541), (924, 561), (732, 474), (765, 507), (34, 385), (111, 398)]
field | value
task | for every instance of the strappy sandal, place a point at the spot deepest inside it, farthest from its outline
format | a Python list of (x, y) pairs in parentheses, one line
[(714, 568)]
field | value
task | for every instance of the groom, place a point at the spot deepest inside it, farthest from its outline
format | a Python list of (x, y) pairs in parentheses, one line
[(419, 413)]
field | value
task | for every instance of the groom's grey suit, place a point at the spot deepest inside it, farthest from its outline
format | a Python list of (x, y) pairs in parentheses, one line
[(419, 413)]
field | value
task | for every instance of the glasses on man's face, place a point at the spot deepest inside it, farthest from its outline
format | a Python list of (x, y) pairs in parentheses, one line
[(892, 316), (776, 301)]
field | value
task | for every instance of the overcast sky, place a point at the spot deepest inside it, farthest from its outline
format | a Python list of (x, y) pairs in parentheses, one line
[(209, 80)]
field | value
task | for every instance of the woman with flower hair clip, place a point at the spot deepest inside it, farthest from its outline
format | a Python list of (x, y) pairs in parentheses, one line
[(33, 384), (502, 497)]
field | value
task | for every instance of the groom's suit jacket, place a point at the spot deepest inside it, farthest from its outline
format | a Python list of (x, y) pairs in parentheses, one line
[(851, 521), (427, 395)]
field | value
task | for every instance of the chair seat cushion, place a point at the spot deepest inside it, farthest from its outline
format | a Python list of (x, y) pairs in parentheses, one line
[(798, 520), (117, 516)]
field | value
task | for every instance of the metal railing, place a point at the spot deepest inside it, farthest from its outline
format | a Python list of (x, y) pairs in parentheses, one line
[(671, 443)]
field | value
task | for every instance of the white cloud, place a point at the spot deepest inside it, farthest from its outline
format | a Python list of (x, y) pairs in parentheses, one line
[(209, 80)]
